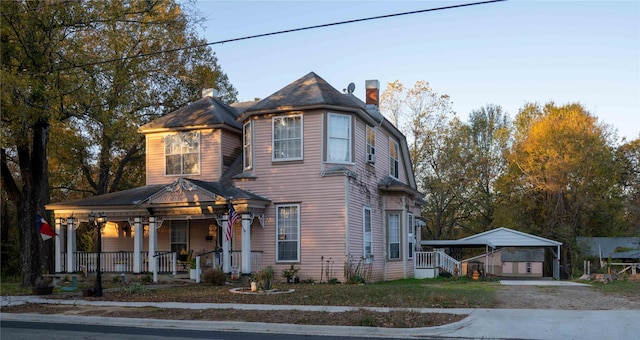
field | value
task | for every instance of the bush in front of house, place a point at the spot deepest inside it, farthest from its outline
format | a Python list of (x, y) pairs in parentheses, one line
[(214, 277)]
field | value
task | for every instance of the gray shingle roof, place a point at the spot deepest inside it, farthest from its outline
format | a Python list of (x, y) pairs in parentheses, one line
[(307, 91), (207, 111)]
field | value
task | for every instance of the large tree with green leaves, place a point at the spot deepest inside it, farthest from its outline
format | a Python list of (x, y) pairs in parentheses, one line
[(88, 73), (34, 38), (135, 85)]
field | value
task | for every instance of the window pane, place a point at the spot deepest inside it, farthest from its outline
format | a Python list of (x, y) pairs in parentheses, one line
[(191, 164), (339, 138), (288, 229), (173, 164), (287, 140), (394, 251)]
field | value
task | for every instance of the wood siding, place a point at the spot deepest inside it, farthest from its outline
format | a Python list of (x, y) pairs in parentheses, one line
[(217, 147)]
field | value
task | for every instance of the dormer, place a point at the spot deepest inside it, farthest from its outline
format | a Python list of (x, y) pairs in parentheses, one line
[(198, 141)]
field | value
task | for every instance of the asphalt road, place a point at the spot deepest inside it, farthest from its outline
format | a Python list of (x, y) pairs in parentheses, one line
[(18, 330)]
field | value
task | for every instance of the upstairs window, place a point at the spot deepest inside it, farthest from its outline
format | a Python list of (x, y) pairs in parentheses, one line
[(287, 138), (182, 153), (339, 138), (247, 150), (371, 145), (393, 158)]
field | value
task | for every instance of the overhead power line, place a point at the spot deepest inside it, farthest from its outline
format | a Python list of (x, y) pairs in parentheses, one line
[(280, 32)]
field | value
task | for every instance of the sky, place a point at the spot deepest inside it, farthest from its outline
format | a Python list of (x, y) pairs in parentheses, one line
[(505, 53)]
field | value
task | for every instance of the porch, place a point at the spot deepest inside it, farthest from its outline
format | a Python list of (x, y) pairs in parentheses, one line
[(427, 264), (167, 262)]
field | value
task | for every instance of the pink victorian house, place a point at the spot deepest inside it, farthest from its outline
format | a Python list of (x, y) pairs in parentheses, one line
[(319, 179)]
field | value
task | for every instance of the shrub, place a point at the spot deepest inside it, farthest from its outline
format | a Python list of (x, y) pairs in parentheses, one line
[(215, 277)]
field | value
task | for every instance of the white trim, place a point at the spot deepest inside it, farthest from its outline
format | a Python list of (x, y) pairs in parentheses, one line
[(367, 259), (277, 232), (349, 139), (273, 142), (244, 144)]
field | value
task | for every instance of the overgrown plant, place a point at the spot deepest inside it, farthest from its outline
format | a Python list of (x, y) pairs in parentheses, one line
[(264, 277), (357, 271), (290, 274), (214, 277)]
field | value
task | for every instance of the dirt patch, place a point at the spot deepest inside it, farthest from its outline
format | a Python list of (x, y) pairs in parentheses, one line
[(358, 318), (563, 297)]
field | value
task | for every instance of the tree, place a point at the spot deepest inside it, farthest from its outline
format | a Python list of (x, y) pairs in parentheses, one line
[(125, 93), (489, 132), (33, 35), (628, 159), (435, 148), (562, 174), (93, 71)]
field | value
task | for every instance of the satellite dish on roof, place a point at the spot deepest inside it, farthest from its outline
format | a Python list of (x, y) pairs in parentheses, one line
[(351, 87)]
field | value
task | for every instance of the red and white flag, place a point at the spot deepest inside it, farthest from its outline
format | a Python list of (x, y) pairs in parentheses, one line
[(46, 232)]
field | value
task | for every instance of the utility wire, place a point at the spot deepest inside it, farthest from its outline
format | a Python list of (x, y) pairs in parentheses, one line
[(279, 32)]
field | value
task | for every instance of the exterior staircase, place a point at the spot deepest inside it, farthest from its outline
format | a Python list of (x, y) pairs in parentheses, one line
[(429, 264)]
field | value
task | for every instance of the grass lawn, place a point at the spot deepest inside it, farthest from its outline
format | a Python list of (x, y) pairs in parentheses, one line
[(410, 293)]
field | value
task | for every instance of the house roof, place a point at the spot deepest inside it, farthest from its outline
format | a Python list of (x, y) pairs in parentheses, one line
[(144, 196), (500, 237), (611, 247), (205, 112), (309, 90)]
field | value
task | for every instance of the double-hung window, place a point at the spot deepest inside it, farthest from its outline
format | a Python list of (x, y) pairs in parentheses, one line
[(339, 138), (182, 153), (411, 235), (179, 236), (247, 149), (393, 158), (366, 232), (371, 145), (393, 221), (288, 232), (287, 138)]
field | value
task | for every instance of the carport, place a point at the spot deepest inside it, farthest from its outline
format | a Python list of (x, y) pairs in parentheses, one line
[(499, 238)]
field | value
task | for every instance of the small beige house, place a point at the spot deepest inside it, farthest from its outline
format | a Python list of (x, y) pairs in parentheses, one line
[(319, 179)]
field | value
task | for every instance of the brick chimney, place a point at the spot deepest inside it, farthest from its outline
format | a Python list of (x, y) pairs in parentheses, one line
[(373, 93)]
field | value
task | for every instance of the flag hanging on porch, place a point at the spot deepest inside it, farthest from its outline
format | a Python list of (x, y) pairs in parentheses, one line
[(46, 232), (233, 216)]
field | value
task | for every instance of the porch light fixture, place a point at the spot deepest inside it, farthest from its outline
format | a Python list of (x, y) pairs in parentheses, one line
[(97, 222)]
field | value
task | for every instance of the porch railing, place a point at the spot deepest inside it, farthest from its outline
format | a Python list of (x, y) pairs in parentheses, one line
[(435, 259), (122, 261)]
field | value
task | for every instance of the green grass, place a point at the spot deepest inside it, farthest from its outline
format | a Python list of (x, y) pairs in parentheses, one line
[(623, 287), (402, 293)]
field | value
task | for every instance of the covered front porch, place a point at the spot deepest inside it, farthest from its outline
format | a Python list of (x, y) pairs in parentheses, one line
[(152, 228)]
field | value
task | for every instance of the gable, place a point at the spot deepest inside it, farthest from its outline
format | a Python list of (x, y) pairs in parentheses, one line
[(181, 191)]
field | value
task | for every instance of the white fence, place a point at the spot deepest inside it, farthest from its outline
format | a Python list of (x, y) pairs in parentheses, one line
[(122, 261)]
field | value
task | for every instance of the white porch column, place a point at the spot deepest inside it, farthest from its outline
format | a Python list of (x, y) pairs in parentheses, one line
[(246, 243), (153, 245), (138, 238), (58, 246), (226, 246), (71, 245)]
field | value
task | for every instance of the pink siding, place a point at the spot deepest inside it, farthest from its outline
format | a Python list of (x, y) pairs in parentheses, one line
[(321, 199), (211, 152)]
